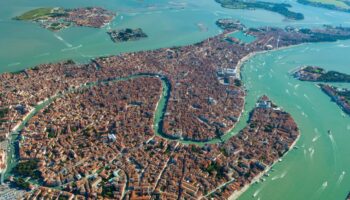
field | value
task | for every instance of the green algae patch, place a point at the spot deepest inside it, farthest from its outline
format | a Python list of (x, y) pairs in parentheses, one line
[(36, 14)]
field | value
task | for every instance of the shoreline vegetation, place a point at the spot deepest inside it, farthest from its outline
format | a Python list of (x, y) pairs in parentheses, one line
[(56, 19), (128, 34), (337, 5), (280, 8), (39, 13)]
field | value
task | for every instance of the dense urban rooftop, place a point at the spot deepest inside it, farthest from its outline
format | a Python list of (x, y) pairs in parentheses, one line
[(56, 19), (98, 132)]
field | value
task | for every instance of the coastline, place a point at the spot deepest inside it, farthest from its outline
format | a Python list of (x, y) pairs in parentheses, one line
[(336, 98), (242, 61), (235, 195), (330, 7), (292, 71)]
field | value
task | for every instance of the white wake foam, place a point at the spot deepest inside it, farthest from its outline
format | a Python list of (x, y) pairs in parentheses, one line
[(341, 177), (62, 40)]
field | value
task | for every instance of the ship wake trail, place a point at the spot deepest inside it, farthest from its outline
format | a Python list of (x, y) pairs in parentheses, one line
[(72, 48), (322, 188), (62, 40), (307, 97), (287, 91), (218, 13), (256, 193), (333, 141), (305, 49), (324, 185), (296, 86), (334, 148), (342, 114), (43, 54), (283, 174), (331, 14), (280, 176), (342, 46), (305, 153), (14, 64), (315, 138), (311, 151), (304, 114), (341, 177)]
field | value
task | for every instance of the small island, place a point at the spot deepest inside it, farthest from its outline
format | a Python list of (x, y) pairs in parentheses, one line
[(230, 24), (280, 8), (56, 19), (127, 34), (318, 74), (341, 96), (337, 5)]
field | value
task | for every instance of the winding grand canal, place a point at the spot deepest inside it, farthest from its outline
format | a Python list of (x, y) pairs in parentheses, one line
[(318, 169)]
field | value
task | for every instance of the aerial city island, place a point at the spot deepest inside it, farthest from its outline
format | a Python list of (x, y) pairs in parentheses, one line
[(56, 19), (341, 96), (318, 74), (337, 5), (141, 125), (280, 8)]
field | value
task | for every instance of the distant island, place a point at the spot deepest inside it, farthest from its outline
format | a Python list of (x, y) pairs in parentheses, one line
[(230, 24), (338, 5), (341, 96), (318, 74), (280, 8), (127, 34), (56, 19)]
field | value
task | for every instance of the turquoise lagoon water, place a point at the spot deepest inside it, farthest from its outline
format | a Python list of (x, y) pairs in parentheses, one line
[(319, 169), (243, 37)]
